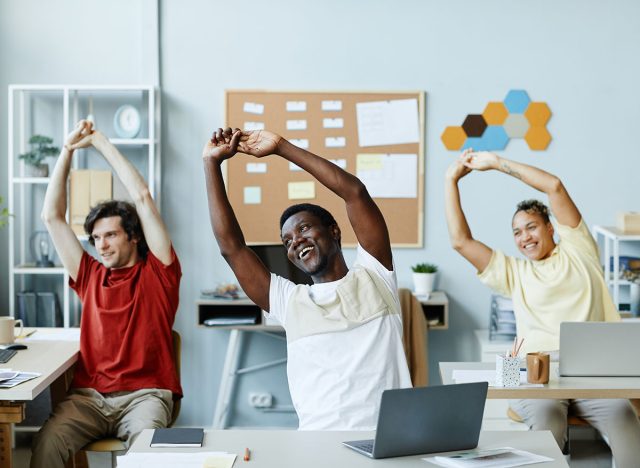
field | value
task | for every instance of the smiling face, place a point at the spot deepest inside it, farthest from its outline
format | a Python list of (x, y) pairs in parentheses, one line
[(311, 246), (112, 243), (533, 236)]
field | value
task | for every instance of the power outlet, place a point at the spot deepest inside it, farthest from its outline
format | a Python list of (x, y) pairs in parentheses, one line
[(261, 400)]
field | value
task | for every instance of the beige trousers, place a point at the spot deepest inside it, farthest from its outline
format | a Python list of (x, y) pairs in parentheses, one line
[(86, 415), (616, 420)]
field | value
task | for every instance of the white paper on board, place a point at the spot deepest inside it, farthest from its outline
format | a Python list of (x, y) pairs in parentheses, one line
[(331, 105), (392, 122), (257, 168), (300, 142), (341, 163), (252, 195), (253, 108), (335, 142), (301, 190), (296, 106), (250, 126), (296, 124), (294, 167), (333, 123), (389, 175)]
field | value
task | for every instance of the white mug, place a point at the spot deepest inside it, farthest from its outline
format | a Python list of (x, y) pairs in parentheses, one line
[(7, 329)]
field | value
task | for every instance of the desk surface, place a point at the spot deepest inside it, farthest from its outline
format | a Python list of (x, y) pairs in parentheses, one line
[(50, 358), (557, 388), (292, 449)]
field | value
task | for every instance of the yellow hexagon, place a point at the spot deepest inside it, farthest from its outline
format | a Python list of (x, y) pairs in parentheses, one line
[(538, 114), (495, 113), (538, 138), (453, 138)]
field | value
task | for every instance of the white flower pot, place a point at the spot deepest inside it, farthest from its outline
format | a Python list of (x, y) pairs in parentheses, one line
[(423, 283)]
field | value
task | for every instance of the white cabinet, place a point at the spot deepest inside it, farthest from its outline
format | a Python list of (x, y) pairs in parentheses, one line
[(611, 238), (52, 110)]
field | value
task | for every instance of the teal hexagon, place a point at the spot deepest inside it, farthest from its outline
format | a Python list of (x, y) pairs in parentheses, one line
[(517, 101), (495, 138)]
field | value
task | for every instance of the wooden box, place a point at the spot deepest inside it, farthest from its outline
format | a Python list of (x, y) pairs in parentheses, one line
[(629, 222)]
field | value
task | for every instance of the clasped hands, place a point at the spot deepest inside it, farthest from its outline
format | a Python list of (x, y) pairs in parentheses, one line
[(225, 143), (82, 136), (471, 160)]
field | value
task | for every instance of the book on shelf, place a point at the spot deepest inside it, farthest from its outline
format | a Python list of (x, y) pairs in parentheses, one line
[(230, 320), (177, 437)]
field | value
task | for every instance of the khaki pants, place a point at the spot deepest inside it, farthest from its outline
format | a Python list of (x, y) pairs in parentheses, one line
[(86, 415), (616, 420)]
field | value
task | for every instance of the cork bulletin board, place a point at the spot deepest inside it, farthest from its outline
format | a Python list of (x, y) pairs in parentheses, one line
[(378, 136)]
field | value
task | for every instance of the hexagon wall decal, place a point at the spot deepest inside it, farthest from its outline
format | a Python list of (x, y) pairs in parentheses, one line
[(474, 125), (538, 138), (517, 101), (495, 113), (453, 138), (495, 138), (516, 125), (538, 114)]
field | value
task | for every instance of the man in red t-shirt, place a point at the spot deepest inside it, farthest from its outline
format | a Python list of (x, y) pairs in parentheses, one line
[(125, 379)]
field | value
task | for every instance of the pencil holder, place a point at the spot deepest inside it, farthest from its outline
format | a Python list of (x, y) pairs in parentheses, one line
[(507, 371)]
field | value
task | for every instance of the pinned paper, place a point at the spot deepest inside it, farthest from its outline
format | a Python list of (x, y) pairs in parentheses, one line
[(300, 142), (296, 124), (335, 142), (252, 195), (294, 167), (333, 123), (389, 175), (257, 168), (388, 122), (250, 126), (296, 106), (331, 105), (253, 108), (341, 163), (302, 190)]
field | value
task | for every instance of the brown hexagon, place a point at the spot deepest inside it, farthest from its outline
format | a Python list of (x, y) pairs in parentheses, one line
[(495, 113), (538, 138), (538, 114), (453, 138), (474, 125)]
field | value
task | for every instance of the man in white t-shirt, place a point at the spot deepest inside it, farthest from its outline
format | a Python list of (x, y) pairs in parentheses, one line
[(553, 284), (344, 332)]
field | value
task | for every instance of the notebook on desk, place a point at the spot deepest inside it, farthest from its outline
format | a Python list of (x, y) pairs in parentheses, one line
[(177, 437), (411, 421), (600, 349)]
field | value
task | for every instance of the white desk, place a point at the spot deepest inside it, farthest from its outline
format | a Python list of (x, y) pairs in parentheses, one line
[(54, 360), (557, 388), (322, 449)]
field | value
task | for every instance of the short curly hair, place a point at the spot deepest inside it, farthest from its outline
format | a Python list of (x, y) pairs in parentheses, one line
[(534, 207), (323, 215), (129, 220)]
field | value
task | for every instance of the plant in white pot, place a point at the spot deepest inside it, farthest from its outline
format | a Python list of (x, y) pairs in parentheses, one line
[(41, 148), (424, 275)]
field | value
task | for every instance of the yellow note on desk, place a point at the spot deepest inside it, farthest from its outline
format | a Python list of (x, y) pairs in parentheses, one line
[(219, 461)]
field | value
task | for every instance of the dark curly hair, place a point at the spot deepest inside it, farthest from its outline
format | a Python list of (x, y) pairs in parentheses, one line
[(128, 219), (533, 207), (323, 215)]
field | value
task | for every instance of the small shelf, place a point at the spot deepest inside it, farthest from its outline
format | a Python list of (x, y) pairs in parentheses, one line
[(31, 180), (436, 310), (31, 269)]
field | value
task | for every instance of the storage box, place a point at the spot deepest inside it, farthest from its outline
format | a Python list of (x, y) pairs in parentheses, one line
[(629, 222), (87, 188)]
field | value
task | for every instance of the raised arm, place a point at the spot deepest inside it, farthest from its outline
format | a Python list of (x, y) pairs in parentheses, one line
[(249, 270), (561, 204), (362, 211), (477, 253), (155, 232), (54, 206)]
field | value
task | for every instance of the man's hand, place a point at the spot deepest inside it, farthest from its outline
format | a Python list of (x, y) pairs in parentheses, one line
[(222, 145), (259, 143), (479, 161), (78, 136)]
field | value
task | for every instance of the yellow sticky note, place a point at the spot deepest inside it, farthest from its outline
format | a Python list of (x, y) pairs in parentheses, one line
[(369, 162), (302, 190)]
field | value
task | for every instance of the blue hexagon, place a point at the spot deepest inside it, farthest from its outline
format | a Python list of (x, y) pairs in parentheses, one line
[(517, 101), (495, 138), (477, 143)]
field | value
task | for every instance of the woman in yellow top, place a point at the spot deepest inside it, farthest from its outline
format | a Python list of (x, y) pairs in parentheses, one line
[(554, 283)]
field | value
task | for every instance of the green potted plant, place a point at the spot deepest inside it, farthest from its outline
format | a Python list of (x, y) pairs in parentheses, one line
[(41, 148), (4, 214), (424, 275)]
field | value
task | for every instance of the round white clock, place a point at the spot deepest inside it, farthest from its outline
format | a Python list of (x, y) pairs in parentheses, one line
[(127, 121)]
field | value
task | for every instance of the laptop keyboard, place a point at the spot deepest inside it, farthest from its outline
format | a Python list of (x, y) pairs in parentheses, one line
[(365, 445), (6, 354)]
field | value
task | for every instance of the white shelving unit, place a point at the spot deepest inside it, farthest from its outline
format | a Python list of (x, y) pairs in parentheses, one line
[(52, 110), (611, 239)]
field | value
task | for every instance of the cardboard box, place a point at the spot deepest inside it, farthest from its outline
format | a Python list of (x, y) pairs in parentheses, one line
[(87, 188), (629, 222)]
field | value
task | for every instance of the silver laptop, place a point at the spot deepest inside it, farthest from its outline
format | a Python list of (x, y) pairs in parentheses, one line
[(426, 420), (607, 349)]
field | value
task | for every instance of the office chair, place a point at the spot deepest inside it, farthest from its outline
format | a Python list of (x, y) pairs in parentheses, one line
[(116, 446)]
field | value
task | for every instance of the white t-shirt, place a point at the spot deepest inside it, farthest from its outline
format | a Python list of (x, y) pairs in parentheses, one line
[(340, 359)]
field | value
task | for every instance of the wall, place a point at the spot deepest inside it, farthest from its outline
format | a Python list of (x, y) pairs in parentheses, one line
[(578, 56)]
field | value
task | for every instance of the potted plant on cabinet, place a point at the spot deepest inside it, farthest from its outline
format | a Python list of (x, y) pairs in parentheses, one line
[(41, 148), (4, 214), (424, 275)]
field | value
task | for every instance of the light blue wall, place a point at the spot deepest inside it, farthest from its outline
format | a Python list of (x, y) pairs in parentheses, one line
[(578, 56)]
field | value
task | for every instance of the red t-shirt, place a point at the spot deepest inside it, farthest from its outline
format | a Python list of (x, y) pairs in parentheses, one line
[(125, 331)]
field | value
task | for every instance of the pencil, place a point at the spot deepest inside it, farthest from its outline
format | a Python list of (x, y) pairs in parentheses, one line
[(247, 454)]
